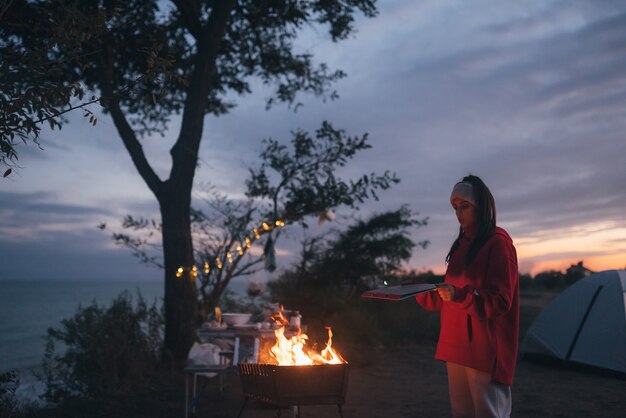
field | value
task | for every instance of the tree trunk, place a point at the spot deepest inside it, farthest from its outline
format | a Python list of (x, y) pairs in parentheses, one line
[(180, 292), (174, 194)]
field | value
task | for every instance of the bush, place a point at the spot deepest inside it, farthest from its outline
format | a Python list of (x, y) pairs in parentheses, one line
[(108, 351), (10, 406), (9, 382), (550, 280), (354, 319), (385, 322)]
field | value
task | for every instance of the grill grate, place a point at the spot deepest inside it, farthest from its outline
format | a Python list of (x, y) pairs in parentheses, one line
[(284, 386)]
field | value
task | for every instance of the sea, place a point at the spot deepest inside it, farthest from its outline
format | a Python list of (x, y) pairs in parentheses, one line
[(29, 308)]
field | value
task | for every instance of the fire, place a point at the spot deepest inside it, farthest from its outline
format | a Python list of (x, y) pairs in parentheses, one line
[(292, 351), (290, 346), (279, 318)]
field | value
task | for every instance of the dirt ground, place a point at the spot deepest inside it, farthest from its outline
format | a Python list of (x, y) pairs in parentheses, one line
[(407, 382), (397, 382)]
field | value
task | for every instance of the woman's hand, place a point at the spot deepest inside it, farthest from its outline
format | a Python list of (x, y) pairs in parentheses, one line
[(445, 291)]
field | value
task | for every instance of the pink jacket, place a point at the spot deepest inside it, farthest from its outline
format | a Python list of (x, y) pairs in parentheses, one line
[(479, 329)]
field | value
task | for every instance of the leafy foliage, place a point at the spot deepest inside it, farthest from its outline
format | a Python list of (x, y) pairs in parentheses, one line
[(333, 272), (9, 382), (307, 180), (294, 181), (38, 43), (221, 49), (106, 350), (72, 45), (369, 251), (555, 279), (363, 256)]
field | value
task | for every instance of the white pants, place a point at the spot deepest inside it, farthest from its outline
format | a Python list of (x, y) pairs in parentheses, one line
[(474, 395)]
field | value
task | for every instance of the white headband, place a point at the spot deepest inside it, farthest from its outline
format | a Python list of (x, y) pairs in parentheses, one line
[(463, 190)]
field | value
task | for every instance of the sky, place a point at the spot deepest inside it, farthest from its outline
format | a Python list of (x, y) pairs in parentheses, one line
[(530, 96)]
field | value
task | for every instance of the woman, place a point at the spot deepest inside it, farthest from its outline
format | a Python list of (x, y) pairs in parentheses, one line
[(479, 305)]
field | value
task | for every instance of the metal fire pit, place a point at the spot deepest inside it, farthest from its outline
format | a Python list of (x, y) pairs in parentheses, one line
[(284, 386)]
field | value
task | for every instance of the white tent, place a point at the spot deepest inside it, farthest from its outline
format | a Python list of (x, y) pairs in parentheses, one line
[(585, 324)]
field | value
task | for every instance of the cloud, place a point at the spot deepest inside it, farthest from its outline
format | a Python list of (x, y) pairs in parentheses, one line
[(42, 239), (69, 256), (40, 204), (530, 95)]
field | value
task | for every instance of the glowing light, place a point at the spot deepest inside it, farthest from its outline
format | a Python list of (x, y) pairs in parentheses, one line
[(240, 249), (194, 272), (292, 351), (179, 272)]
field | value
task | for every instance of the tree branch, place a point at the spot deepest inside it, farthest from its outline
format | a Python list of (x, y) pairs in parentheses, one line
[(69, 109), (185, 151), (135, 150), (4, 7), (190, 12)]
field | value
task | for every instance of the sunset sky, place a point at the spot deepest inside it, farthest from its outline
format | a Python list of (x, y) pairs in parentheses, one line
[(530, 96)]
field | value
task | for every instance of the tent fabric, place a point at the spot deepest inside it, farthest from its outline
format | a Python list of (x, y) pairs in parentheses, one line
[(585, 324)]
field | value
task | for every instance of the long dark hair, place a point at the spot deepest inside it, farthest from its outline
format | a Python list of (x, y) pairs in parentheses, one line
[(485, 217)]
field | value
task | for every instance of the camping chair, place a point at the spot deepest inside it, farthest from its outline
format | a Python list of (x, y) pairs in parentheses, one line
[(207, 371)]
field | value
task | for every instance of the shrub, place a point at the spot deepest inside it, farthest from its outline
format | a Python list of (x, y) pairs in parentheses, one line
[(9, 381), (354, 319), (10, 405), (108, 351)]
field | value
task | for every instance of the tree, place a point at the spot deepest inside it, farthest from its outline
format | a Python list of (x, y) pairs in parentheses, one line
[(29, 96), (360, 257), (291, 182), (369, 251), (336, 270), (9, 382), (33, 89), (218, 48), (550, 279)]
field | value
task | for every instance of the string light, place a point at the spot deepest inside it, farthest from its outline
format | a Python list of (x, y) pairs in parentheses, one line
[(193, 272), (241, 249)]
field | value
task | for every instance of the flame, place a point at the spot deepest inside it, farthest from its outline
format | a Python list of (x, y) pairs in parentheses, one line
[(292, 352), (329, 355), (279, 318)]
